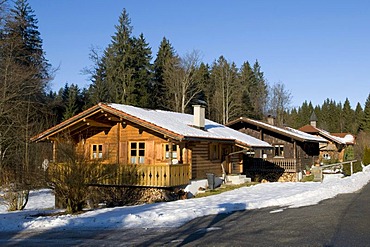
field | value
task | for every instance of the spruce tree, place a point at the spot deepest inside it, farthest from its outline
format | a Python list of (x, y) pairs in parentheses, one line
[(359, 113), (247, 80), (165, 54), (259, 97), (119, 63), (123, 73), (142, 72), (208, 89), (23, 26), (99, 90), (348, 118), (71, 96), (365, 123), (304, 113)]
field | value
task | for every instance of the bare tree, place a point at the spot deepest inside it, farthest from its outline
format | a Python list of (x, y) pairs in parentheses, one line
[(279, 101), (179, 79), (227, 91), (23, 78)]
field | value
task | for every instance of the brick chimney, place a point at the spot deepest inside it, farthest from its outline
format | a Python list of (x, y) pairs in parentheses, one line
[(199, 116)]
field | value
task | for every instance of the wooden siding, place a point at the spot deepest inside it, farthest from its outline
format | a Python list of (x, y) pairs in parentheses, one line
[(201, 162), (304, 153), (116, 142)]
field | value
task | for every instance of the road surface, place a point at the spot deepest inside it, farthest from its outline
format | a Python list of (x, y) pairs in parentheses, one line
[(341, 221)]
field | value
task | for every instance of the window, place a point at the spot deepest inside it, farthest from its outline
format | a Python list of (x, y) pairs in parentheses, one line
[(137, 152), (168, 153), (326, 156), (214, 152), (97, 151), (279, 150)]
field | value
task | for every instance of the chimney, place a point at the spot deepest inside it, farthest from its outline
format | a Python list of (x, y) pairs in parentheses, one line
[(270, 120), (199, 116), (313, 119)]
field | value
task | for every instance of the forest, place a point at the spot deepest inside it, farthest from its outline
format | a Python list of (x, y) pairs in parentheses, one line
[(127, 72)]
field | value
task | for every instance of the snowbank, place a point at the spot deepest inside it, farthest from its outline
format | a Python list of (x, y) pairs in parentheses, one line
[(173, 214)]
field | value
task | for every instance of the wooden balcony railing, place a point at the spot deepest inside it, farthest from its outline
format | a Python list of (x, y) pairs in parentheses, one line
[(270, 165), (159, 175)]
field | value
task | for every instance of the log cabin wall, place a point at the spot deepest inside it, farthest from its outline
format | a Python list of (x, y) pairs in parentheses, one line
[(203, 159), (308, 154), (305, 153), (273, 139), (117, 140)]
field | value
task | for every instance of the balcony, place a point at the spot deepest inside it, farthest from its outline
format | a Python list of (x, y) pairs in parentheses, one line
[(159, 175)]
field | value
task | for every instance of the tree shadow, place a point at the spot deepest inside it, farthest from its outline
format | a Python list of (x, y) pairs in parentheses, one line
[(197, 228), (78, 228)]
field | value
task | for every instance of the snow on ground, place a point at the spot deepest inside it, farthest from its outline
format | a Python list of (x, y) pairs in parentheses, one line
[(176, 213)]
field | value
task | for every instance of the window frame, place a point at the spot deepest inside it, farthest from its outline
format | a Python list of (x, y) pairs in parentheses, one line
[(175, 151), (214, 151), (139, 152), (97, 151), (279, 151)]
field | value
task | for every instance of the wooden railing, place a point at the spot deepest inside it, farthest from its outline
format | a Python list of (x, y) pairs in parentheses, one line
[(271, 165), (160, 175), (289, 165)]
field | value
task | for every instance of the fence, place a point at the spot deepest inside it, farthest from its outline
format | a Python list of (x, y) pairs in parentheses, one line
[(160, 175)]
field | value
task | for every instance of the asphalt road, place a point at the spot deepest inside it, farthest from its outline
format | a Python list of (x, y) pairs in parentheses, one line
[(341, 221)]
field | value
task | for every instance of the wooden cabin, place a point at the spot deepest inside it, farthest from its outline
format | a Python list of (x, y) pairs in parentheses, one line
[(168, 149), (293, 151), (334, 149)]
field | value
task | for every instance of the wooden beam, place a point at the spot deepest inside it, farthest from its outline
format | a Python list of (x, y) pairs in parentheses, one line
[(94, 123)]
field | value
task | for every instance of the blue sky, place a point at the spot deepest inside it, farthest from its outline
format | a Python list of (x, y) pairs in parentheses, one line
[(318, 49)]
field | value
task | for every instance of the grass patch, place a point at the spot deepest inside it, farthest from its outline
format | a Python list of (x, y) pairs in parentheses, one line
[(308, 178), (224, 188)]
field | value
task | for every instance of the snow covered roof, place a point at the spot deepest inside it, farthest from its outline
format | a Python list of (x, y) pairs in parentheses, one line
[(173, 124), (182, 124), (286, 131), (340, 138)]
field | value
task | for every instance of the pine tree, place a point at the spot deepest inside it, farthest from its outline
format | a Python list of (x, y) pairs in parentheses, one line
[(71, 96), (165, 54), (348, 118), (143, 72), (23, 26), (304, 113), (247, 80), (123, 73), (98, 90), (119, 62), (365, 123), (259, 98), (359, 113), (207, 88)]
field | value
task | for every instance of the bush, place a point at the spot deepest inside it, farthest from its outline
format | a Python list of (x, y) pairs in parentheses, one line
[(349, 153), (356, 168), (366, 158)]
